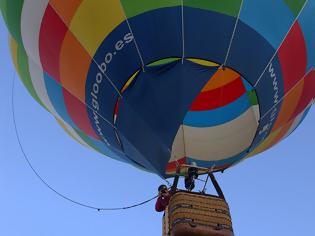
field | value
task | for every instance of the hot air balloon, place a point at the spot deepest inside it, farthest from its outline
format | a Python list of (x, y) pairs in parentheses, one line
[(158, 84)]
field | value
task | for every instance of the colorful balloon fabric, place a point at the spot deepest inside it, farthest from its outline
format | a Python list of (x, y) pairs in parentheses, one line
[(155, 83)]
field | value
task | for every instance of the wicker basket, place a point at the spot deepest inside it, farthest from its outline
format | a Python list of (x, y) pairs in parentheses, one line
[(197, 214)]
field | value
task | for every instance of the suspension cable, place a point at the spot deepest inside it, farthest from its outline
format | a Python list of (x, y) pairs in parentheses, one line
[(233, 35), (205, 185), (47, 184)]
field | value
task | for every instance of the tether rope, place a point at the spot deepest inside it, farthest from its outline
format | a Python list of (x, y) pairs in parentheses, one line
[(47, 184)]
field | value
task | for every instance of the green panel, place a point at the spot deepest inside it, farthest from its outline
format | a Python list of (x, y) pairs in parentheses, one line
[(3, 8), (252, 97), (164, 61), (136, 7), (295, 5), (12, 11), (23, 69), (86, 139), (2, 5), (227, 7)]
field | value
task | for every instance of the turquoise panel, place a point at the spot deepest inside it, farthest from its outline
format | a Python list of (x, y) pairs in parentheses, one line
[(270, 18), (307, 23)]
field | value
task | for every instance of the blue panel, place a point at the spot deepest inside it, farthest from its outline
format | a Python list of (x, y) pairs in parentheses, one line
[(247, 85), (136, 157), (158, 33), (151, 111), (104, 130), (104, 149), (101, 98), (270, 91), (54, 91), (100, 95), (154, 106), (271, 18), (307, 23), (117, 51), (250, 53), (270, 88), (207, 34), (265, 126), (218, 116)]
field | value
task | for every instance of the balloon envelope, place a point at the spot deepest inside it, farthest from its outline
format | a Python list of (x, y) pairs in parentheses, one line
[(157, 83)]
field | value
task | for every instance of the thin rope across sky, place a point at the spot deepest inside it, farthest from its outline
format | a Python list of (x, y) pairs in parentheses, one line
[(47, 184)]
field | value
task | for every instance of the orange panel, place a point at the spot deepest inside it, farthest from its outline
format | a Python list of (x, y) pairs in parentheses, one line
[(284, 130), (74, 65), (221, 78), (65, 8), (289, 105), (273, 138)]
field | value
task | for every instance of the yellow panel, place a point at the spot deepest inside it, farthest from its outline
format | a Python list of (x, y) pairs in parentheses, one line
[(284, 131), (129, 81), (203, 62), (266, 143), (94, 20), (62, 124), (13, 47)]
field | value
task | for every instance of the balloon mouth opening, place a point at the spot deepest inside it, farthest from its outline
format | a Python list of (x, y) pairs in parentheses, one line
[(220, 124)]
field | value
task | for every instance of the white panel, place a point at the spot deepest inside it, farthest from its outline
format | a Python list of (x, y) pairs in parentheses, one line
[(38, 82), (74, 134), (178, 148), (31, 19), (223, 141), (256, 112), (37, 77)]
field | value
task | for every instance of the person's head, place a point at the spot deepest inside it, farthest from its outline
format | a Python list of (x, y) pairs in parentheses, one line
[(162, 188)]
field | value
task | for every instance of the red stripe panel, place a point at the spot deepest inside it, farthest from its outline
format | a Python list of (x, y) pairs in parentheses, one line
[(78, 113), (52, 33), (307, 95), (171, 167), (117, 106), (293, 57), (219, 97)]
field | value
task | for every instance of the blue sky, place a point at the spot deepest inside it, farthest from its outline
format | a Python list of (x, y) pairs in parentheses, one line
[(272, 194)]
